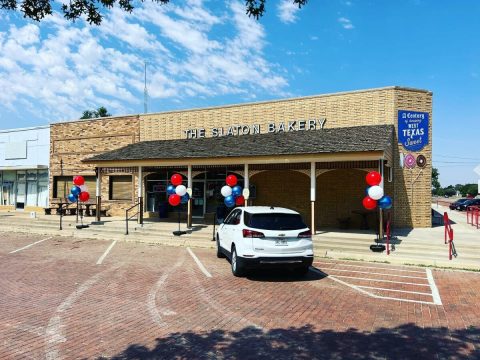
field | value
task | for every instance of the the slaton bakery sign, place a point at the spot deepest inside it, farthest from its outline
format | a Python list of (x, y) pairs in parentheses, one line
[(236, 130)]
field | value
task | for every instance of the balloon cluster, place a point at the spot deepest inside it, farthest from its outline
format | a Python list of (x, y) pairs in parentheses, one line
[(232, 192), (177, 193), (79, 191), (375, 196)]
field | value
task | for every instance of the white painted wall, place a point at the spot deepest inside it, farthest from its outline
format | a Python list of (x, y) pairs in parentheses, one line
[(36, 142)]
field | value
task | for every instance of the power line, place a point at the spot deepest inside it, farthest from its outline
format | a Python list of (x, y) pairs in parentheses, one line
[(455, 162), (457, 157)]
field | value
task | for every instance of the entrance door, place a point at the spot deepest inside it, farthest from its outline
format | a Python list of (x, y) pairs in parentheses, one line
[(21, 192), (198, 198)]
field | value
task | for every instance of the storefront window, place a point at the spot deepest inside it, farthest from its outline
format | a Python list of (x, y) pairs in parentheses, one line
[(61, 186), (31, 174), (43, 188), (121, 187), (8, 186)]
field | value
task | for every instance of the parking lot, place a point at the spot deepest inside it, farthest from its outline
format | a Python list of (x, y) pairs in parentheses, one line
[(68, 298)]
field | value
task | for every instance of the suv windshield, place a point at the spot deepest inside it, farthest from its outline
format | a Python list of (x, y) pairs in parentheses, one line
[(274, 221)]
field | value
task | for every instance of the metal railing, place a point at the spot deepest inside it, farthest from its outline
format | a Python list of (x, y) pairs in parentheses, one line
[(138, 214), (473, 214), (61, 210), (388, 233), (449, 236)]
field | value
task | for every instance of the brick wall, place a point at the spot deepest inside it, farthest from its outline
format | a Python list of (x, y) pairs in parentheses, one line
[(285, 188), (410, 189), (71, 142)]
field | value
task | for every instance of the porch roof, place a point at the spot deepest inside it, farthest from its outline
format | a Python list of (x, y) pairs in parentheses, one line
[(337, 140)]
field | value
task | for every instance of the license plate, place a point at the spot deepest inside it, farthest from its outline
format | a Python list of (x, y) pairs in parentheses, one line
[(281, 242)]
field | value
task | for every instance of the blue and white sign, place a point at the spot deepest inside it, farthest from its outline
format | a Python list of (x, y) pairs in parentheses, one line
[(413, 129)]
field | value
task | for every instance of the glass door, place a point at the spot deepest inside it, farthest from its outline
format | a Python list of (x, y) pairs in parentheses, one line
[(21, 190), (198, 198)]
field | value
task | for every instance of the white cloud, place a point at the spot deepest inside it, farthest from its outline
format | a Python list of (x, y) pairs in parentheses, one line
[(58, 69), (346, 23), (287, 11)]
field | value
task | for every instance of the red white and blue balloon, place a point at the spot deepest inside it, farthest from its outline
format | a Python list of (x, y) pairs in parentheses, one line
[(232, 192)]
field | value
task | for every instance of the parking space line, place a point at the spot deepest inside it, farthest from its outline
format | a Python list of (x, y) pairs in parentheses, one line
[(354, 287), (29, 245), (101, 258), (433, 287), (369, 267), (200, 265), (374, 273), (394, 290), (388, 281)]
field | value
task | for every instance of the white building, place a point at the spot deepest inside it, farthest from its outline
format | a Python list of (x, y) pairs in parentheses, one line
[(24, 159)]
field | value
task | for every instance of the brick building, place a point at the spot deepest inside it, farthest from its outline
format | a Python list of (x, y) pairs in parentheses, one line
[(310, 154)]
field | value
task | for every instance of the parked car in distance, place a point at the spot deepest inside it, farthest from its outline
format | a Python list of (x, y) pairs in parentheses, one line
[(470, 202), (454, 204), (258, 236)]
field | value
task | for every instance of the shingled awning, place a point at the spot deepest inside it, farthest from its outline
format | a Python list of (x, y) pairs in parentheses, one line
[(337, 140)]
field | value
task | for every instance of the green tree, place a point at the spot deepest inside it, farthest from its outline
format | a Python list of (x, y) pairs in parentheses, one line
[(92, 114), (469, 189), (435, 182), (91, 9)]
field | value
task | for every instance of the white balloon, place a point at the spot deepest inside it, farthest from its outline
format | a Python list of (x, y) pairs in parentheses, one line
[(226, 191), (84, 188), (180, 190), (375, 192)]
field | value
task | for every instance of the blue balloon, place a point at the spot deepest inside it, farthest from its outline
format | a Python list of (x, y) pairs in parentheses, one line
[(75, 190), (170, 189), (229, 201), (185, 199), (366, 190), (72, 198), (385, 202), (236, 191)]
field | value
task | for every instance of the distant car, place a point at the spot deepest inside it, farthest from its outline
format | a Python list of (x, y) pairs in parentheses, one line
[(258, 236), (470, 202), (454, 205)]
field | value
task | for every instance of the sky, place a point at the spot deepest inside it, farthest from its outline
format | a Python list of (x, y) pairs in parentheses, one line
[(202, 53)]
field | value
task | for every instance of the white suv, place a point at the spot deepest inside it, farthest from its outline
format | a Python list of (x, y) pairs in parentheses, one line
[(258, 235)]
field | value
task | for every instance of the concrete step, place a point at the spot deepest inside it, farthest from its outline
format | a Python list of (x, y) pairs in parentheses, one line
[(427, 253), (404, 244), (400, 260)]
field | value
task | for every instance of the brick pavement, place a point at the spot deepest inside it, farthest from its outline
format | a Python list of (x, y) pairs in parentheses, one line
[(149, 302)]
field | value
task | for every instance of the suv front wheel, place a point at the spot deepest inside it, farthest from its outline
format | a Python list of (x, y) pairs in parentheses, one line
[(237, 264)]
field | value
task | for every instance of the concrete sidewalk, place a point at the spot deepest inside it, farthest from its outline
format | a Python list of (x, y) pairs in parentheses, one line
[(424, 246)]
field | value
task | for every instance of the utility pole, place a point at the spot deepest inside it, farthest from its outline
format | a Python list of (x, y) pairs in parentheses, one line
[(145, 92)]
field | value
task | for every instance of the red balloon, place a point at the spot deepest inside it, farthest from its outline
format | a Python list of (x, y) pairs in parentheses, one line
[(174, 199), (369, 203), (240, 200), (78, 180), (231, 180), (176, 179), (373, 178), (84, 196)]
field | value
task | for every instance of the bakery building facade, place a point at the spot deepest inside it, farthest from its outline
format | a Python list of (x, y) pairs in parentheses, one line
[(310, 154)]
